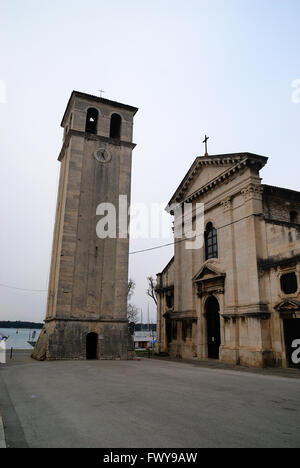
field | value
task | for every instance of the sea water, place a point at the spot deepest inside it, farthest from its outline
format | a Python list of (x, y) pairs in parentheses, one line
[(18, 339)]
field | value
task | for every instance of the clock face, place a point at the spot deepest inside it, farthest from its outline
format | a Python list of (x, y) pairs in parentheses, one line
[(102, 155)]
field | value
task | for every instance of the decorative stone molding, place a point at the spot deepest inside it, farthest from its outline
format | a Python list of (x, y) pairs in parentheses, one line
[(259, 311), (233, 164), (277, 264), (252, 192), (226, 204), (209, 281), (184, 315), (288, 308)]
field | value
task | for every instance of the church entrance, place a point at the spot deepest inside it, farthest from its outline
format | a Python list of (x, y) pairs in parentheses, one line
[(213, 327), (291, 334), (91, 346)]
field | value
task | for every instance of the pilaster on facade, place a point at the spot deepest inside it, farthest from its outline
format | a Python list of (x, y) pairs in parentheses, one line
[(253, 191), (226, 204)]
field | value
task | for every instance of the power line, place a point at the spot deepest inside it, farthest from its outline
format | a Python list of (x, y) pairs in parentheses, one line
[(137, 252), (22, 289), (186, 240), (155, 248)]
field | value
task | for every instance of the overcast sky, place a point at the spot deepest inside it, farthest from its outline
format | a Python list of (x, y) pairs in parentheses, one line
[(220, 67)]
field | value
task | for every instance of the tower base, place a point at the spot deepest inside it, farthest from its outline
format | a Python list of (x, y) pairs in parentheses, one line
[(80, 340)]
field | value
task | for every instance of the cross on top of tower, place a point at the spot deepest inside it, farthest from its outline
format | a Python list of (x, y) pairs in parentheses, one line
[(101, 92), (205, 142)]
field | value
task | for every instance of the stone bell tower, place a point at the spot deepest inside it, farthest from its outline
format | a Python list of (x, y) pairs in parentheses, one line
[(87, 298)]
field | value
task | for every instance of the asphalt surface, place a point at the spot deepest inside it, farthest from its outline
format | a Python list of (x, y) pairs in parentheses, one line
[(147, 403)]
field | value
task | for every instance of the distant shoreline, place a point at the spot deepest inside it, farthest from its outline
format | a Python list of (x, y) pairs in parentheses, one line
[(21, 325)]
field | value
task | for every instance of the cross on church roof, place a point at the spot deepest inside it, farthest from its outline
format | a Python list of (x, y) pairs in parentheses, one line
[(101, 92), (205, 141)]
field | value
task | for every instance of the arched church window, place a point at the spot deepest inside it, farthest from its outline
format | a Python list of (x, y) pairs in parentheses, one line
[(294, 217), (211, 242), (92, 121), (115, 126)]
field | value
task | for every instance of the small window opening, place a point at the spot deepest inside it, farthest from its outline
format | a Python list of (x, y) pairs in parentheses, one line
[(289, 283), (294, 217), (115, 126), (170, 301), (92, 121), (169, 331)]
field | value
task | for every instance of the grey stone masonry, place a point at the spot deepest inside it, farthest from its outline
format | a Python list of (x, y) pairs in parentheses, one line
[(89, 276)]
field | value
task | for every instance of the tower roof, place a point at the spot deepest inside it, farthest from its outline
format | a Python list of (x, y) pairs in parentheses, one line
[(98, 99)]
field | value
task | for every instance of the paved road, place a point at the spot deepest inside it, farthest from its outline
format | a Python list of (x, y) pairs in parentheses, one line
[(147, 403)]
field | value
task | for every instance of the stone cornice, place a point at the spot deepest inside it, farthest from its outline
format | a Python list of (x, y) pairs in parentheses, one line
[(166, 267), (163, 289), (260, 311), (99, 100), (89, 136), (185, 315), (282, 223), (226, 200), (275, 262), (281, 192), (259, 315)]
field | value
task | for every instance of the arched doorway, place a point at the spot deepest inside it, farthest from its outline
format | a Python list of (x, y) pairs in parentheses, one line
[(213, 327), (91, 346)]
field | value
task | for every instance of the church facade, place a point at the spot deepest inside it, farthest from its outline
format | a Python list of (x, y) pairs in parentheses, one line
[(237, 298)]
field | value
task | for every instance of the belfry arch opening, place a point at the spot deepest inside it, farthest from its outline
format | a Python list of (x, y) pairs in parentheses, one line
[(115, 126), (92, 346), (92, 121), (212, 312)]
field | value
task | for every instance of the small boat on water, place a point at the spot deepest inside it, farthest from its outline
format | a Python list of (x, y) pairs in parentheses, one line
[(32, 341)]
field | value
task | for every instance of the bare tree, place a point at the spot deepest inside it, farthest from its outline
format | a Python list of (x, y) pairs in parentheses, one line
[(132, 310), (151, 291), (132, 314), (131, 288)]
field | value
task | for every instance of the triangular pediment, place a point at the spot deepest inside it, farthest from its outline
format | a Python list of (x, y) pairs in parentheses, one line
[(209, 171), (205, 175), (288, 306), (208, 272)]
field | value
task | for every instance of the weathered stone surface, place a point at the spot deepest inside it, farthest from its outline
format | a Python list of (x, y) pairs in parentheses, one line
[(89, 275), (257, 244)]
